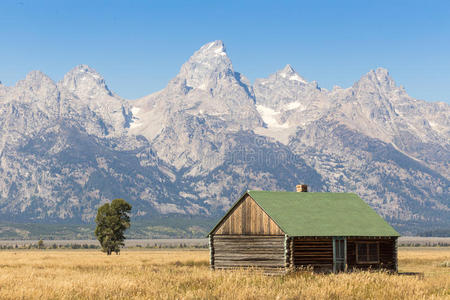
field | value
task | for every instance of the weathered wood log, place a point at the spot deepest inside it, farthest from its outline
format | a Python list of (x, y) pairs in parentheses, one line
[(249, 251), (254, 257), (248, 236), (250, 242), (244, 244), (286, 252), (223, 262), (319, 263), (249, 263), (211, 251), (237, 254)]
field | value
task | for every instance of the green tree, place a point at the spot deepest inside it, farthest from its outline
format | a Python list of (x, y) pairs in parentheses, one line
[(112, 221), (40, 244)]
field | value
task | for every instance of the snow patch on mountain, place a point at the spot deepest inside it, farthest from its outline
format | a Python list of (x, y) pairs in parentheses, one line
[(293, 105), (136, 120), (270, 117)]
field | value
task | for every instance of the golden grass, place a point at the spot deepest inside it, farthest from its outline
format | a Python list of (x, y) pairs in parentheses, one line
[(186, 275)]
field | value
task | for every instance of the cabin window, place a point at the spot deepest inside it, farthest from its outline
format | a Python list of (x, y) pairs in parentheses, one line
[(367, 253)]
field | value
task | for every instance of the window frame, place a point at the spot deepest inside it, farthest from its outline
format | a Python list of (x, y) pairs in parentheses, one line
[(358, 261)]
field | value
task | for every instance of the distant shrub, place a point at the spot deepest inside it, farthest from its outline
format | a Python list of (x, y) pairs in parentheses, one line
[(445, 264)]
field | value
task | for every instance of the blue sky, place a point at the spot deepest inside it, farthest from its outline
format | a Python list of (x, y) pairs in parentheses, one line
[(138, 46)]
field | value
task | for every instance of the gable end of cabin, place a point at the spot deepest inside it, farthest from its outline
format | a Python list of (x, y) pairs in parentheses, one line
[(247, 236), (246, 217)]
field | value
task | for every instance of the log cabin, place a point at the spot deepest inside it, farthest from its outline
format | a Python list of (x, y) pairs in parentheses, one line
[(284, 231)]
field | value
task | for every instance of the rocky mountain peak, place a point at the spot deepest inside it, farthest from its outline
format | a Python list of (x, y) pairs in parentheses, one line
[(378, 79), (288, 69), (216, 48), (381, 72), (35, 79), (36, 83), (289, 73), (206, 67), (84, 81)]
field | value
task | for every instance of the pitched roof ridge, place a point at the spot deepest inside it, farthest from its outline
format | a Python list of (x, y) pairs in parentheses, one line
[(343, 214), (336, 214)]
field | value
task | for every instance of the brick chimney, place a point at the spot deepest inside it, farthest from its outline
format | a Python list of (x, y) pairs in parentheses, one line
[(302, 188)]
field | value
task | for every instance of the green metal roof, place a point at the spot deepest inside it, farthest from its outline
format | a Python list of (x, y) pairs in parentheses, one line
[(322, 214)]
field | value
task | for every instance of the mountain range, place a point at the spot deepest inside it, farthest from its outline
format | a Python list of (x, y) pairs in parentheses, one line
[(192, 148)]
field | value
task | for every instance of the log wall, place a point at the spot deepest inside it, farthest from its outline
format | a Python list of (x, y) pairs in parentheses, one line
[(280, 253), (387, 253), (247, 218), (311, 252), (234, 251)]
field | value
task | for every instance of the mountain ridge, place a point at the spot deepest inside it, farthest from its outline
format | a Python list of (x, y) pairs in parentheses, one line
[(194, 146)]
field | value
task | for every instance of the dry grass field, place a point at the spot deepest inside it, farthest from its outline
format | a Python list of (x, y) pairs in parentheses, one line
[(183, 274)]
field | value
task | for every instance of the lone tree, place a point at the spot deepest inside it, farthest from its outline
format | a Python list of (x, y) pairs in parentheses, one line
[(112, 221)]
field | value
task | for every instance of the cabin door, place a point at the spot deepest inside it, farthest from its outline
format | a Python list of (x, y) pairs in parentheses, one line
[(339, 254)]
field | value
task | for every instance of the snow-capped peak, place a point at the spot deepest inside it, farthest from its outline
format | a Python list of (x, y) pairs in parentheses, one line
[(287, 70), (206, 67), (289, 73), (83, 71), (214, 48)]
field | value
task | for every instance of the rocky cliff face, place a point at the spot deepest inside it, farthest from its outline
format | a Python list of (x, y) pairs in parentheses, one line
[(194, 146)]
